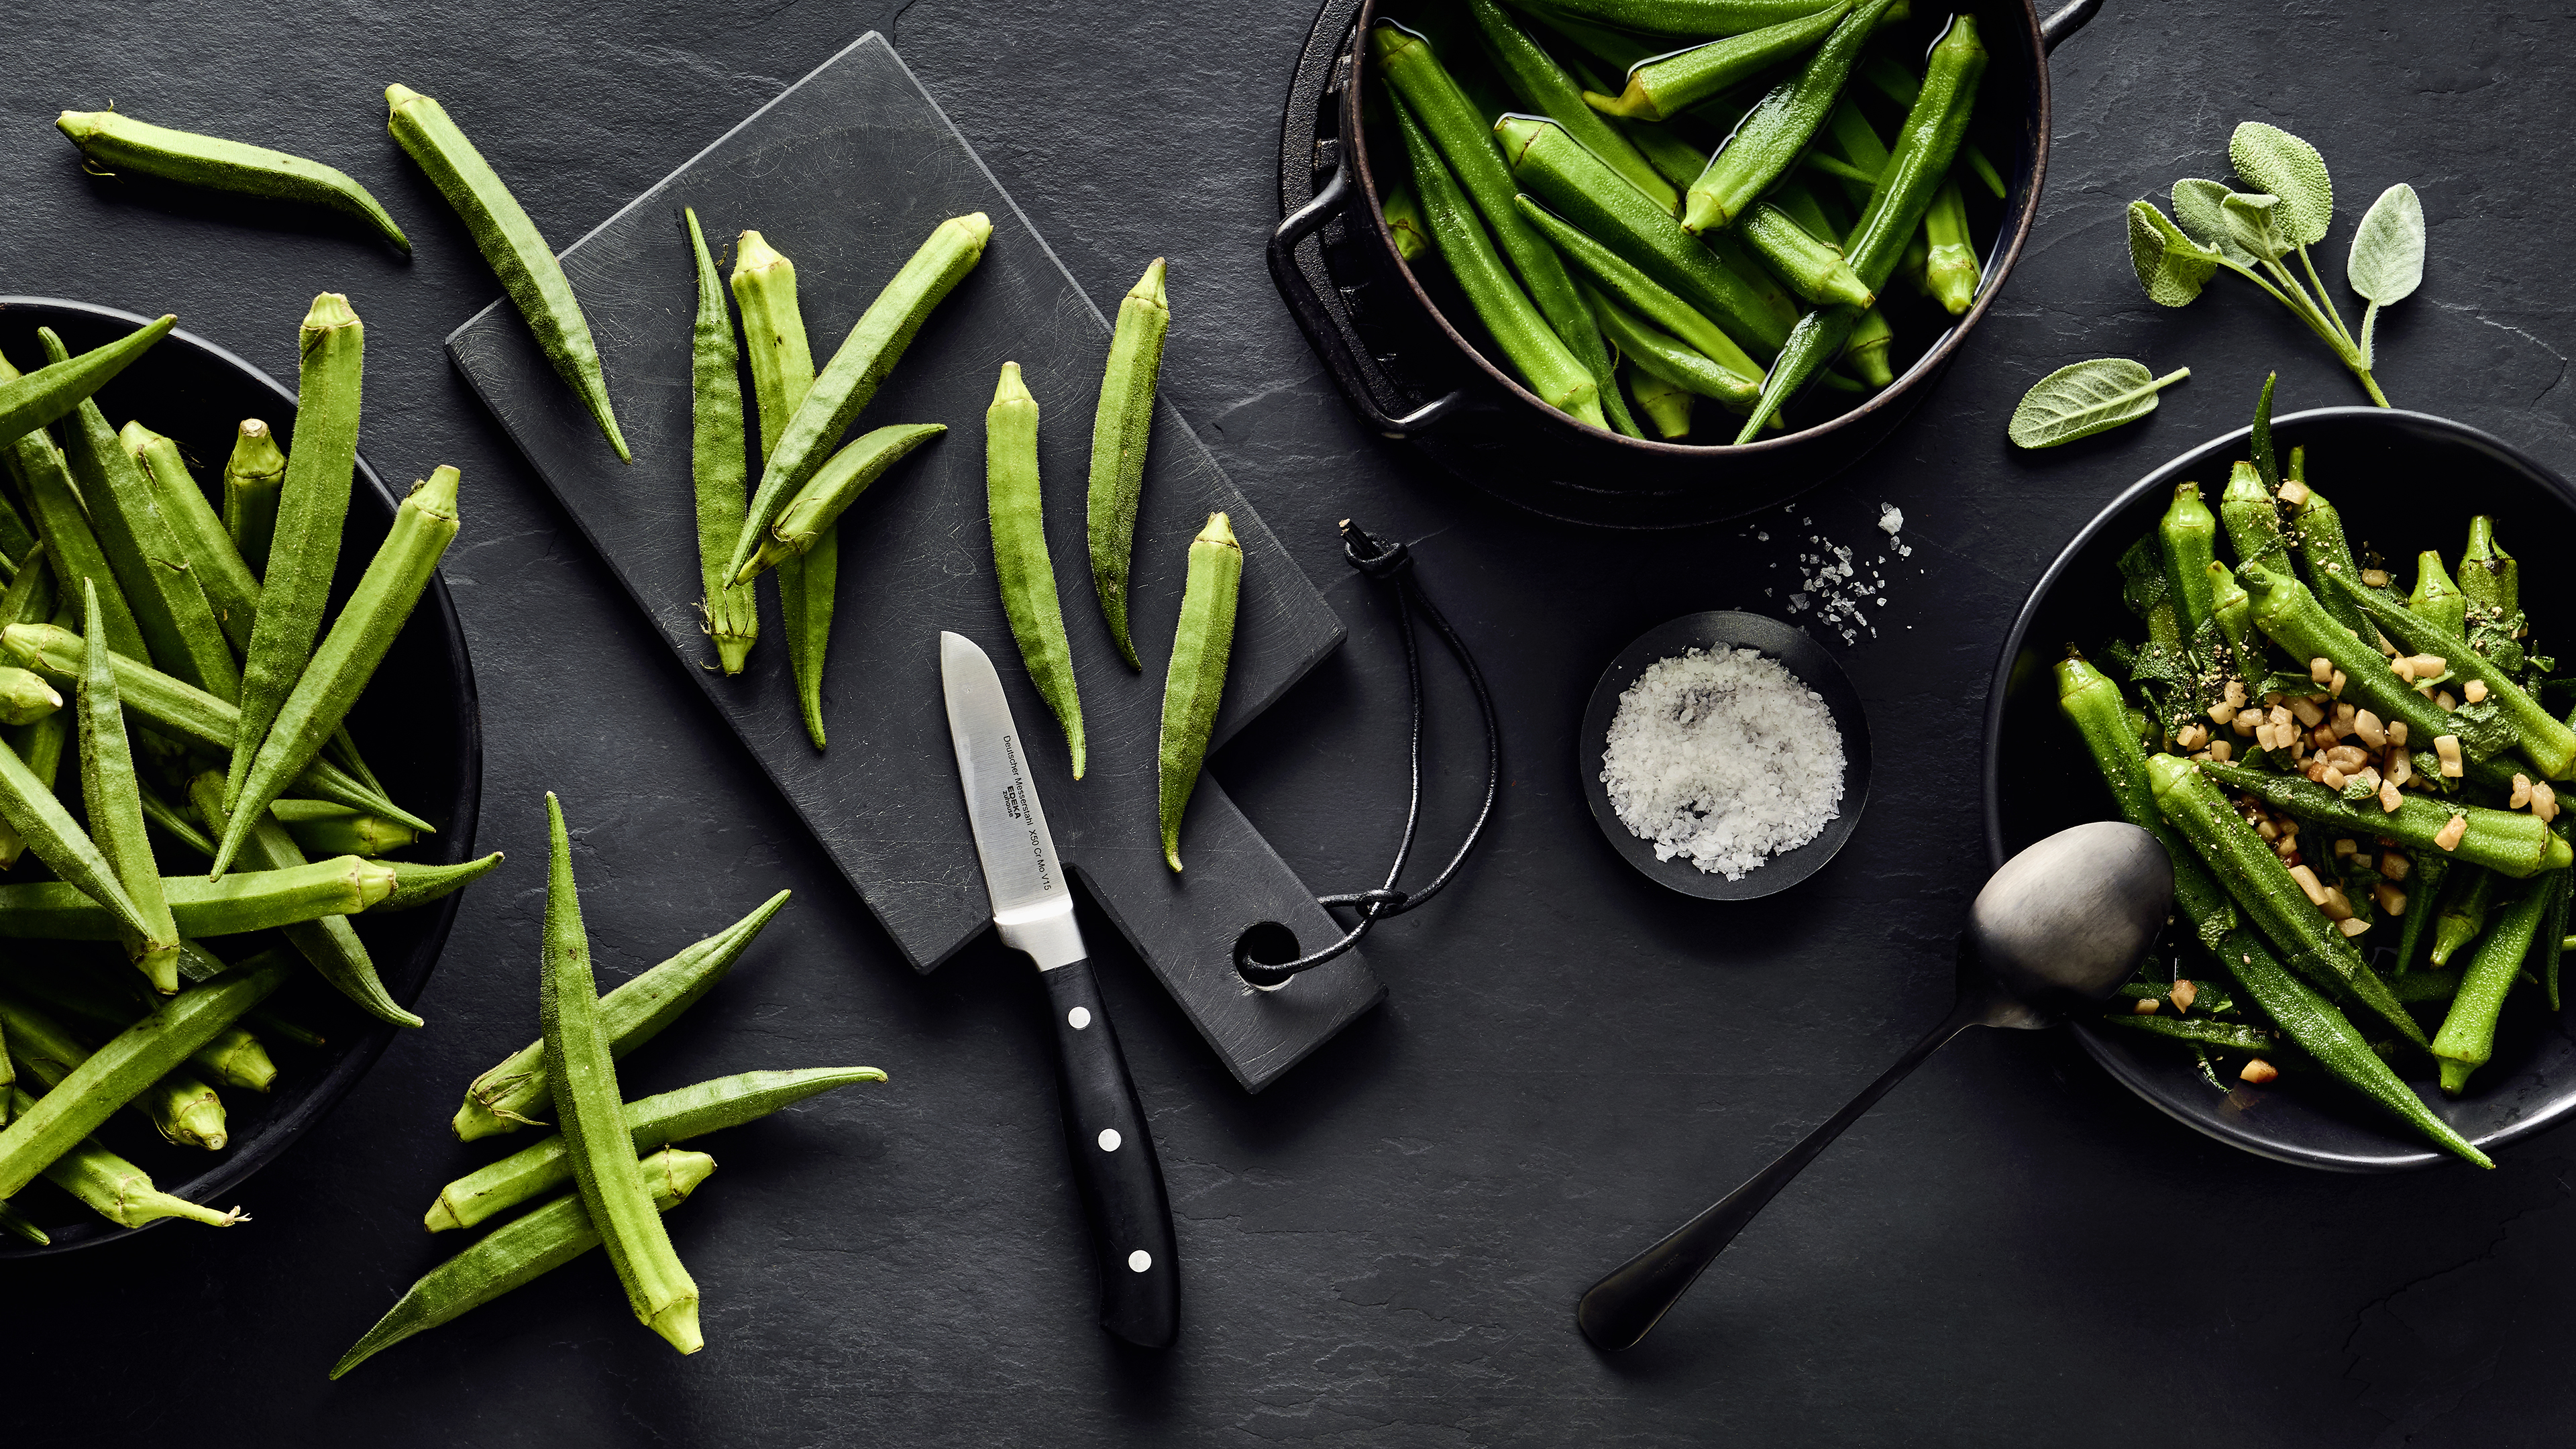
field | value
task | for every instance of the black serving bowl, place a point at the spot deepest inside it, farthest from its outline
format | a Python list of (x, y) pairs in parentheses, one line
[(418, 725), (1404, 349), (2405, 481)]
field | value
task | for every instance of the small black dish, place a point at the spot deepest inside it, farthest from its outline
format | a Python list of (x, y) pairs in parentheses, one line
[(2401, 480), (1805, 658), (418, 723)]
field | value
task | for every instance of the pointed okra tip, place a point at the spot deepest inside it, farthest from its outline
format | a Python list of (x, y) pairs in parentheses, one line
[(1010, 389), (330, 309), (1149, 287), (1219, 530)]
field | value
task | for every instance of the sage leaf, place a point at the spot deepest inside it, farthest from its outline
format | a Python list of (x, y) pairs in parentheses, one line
[(2387, 262), (2197, 206), (2087, 398), (2171, 266), (2254, 224), (2289, 168)]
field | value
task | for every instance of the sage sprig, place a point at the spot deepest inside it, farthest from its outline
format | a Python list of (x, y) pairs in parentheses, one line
[(2256, 233)]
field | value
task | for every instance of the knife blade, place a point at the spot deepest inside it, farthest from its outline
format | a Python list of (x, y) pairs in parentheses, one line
[(1114, 1164)]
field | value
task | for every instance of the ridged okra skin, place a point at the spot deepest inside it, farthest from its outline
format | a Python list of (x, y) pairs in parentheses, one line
[(254, 477), (1021, 564), (1194, 686), (731, 612), (111, 142), (1119, 431)]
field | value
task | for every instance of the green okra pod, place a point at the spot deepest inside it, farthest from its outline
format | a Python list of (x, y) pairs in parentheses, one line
[(418, 885), (231, 590), (782, 372), (2436, 597), (112, 796), (329, 942), (1554, 168), (112, 144), (185, 1111), (72, 551), (116, 1189), (1685, 17), (1403, 222), (312, 506), (143, 550), (1531, 346), (608, 1182), (2323, 551), (27, 803), (2266, 890), (254, 476), (1674, 159), (19, 1225), (2423, 893), (2465, 904), (1950, 265), (235, 1058), (323, 828), (185, 712), (545, 1166), (2467, 1037), (134, 1059), (1866, 351), (1663, 86), (731, 611), (2291, 616), (809, 516), (1769, 139), (2507, 841), (2234, 610), (2490, 578), (1668, 361), (851, 378), (1021, 565), (510, 243), (2188, 533), (1665, 404), (25, 697), (2544, 739), (502, 1099), (1813, 268), (424, 526), (2232, 1036), (520, 1252), (30, 401), (1615, 278), (2093, 704), (1119, 433), (29, 599), (2253, 519), (242, 902), (1541, 85), (1194, 687)]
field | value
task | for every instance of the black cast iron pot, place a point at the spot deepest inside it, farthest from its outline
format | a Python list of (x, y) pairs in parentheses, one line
[(1410, 372)]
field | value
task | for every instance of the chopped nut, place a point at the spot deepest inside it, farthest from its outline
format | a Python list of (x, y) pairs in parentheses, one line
[(2375, 578), (2401, 767), (2449, 838), (2521, 792), (2293, 492), (2367, 777), (2332, 778), (2278, 713), (2235, 695), (2338, 906), (2389, 799), (2447, 747), (2391, 900), (2246, 722), (2404, 664), (2544, 801), (2397, 732), (2307, 712), (2348, 757), (2257, 1072), (2352, 925), (2320, 669), (2183, 994), (2474, 691), (2335, 685), (2446, 702), (2307, 880), (2145, 1007), (2322, 737), (2394, 864), (2371, 732), (2222, 712), (2346, 845), (2267, 830), (2221, 751), (2431, 666), (2191, 737), (2343, 718)]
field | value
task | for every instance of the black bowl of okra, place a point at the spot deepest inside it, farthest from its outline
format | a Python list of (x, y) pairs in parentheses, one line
[(417, 726), (2402, 482), (1409, 351)]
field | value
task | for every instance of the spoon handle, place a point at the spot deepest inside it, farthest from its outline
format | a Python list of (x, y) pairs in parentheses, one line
[(1620, 1309)]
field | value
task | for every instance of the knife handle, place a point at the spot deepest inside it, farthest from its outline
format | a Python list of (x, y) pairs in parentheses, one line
[(1114, 1165)]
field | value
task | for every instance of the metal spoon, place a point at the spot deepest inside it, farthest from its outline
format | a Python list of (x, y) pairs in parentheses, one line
[(2063, 922)]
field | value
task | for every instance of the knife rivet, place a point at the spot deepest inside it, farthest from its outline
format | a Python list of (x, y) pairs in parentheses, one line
[(1140, 1260), (1078, 1018), (1109, 1139)]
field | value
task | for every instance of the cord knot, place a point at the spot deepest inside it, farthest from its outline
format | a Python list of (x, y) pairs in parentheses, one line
[(1379, 558)]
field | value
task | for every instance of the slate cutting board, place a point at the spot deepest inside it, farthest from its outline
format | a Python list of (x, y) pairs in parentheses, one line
[(846, 172)]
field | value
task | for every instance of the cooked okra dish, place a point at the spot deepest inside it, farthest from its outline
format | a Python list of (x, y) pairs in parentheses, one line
[(2357, 774), (1773, 208)]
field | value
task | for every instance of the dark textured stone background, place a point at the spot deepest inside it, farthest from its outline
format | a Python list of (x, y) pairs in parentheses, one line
[(1385, 1248)]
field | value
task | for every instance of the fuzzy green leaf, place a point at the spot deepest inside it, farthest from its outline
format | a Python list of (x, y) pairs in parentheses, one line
[(2254, 224), (2197, 209), (2387, 261), (2289, 168), (2087, 398), (2171, 266)]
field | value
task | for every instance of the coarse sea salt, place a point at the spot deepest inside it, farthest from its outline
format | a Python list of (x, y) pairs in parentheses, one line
[(1725, 758)]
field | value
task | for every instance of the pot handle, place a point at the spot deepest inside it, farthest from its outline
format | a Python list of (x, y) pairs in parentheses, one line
[(1318, 325), (2055, 30)]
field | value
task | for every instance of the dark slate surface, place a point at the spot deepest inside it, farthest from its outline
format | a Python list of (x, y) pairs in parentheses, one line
[(847, 172), (1384, 1248)]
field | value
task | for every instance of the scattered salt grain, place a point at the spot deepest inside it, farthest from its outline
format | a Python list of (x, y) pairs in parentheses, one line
[(1891, 518), (1725, 758)]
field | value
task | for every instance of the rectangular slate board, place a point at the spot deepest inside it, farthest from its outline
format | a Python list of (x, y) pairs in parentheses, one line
[(846, 172)]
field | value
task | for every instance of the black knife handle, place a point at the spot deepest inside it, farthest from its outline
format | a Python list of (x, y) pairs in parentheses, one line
[(1114, 1165)]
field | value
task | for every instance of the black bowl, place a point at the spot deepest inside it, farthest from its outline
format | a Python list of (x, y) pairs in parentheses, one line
[(2406, 481), (418, 725), (1727, 629)]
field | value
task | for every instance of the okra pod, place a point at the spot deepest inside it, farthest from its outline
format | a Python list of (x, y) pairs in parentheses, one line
[(1814, 269), (1612, 276), (1021, 564), (2188, 534), (36, 466), (137, 1057), (2266, 891), (2545, 740), (1674, 159), (185, 1111), (112, 797), (2490, 578), (634, 1013), (1769, 139), (731, 611), (254, 474), (1661, 87), (606, 1177), (1194, 686), (2292, 617), (1866, 351), (2467, 1037), (2436, 598), (185, 712), (1685, 17), (510, 243), (520, 1252), (329, 942), (2093, 704), (25, 697), (2465, 904), (323, 828), (116, 1189), (1950, 265), (544, 1166), (27, 803), (230, 589), (2424, 893), (2234, 1036), (143, 550), (418, 885), (1667, 360), (1553, 167), (2253, 519), (1119, 432), (2505, 841), (312, 505), (2234, 610), (111, 143), (235, 1058), (29, 599), (1541, 85), (1403, 222), (782, 372), (424, 526), (50, 392), (241, 902), (2323, 551), (1666, 405), (18, 1224), (809, 516), (851, 378)]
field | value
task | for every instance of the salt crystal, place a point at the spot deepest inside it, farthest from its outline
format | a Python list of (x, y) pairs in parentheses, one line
[(1891, 518), (1725, 758)]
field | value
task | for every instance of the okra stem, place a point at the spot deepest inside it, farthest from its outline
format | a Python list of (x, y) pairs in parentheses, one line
[(329, 942), (2467, 1037)]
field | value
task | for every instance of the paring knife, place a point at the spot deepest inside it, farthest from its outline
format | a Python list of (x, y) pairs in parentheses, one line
[(1104, 1125)]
